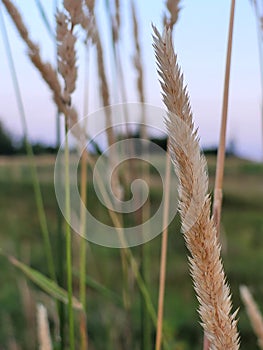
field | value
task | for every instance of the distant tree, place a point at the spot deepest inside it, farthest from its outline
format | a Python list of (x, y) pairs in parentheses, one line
[(38, 148), (6, 142)]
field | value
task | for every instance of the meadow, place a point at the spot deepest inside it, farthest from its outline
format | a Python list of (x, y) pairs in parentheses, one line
[(242, 226), (179, 290)]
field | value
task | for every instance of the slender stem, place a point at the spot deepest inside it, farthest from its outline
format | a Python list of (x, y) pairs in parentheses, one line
[(116, 220), (222, 142), (45, 18), (218, 194), (83, 195), (29, 150), (163, 253), (60, 233), (146, 326), (68, 246)]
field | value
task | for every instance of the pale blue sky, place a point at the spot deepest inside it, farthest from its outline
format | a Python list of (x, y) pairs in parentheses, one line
[(200, 40)]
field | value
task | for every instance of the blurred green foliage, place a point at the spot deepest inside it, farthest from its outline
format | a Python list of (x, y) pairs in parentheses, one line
[(242, 249)]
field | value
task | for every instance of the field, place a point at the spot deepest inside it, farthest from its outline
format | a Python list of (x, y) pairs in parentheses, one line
[(242, 242)]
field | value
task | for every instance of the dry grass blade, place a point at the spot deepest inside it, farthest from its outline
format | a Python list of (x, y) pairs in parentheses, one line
[(253, 313), (198, 227), (44, 338)]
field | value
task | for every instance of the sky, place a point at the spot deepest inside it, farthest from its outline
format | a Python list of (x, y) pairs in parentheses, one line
[(200, 40)]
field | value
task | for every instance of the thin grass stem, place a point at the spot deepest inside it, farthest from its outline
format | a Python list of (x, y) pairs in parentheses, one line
[(68, 245), (44, 17), (218, 193), (83, 251), (217, 205), (159, 329), (29, 150)]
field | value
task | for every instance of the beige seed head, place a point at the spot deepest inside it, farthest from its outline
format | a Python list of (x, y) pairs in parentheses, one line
[(198, 227)]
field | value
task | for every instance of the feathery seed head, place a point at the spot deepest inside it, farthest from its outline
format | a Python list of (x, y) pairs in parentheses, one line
[(198, 227)]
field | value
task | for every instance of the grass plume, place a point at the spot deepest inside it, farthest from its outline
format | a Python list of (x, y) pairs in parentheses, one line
[(198, 226)]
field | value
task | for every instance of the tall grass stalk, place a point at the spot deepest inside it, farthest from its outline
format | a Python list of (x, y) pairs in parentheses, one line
[(68, 244), (83, 196), (117, 223), (83, 247), (159, 330), (198, 226), (218, 196), (60, 244), (116, 185), (29, 150), (173, 9), (144, 214), (218, 192)]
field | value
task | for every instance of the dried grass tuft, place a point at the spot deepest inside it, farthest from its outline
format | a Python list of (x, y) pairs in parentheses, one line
[(197, 225)]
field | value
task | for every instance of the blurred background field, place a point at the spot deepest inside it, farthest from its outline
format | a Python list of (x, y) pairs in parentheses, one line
[(94, 54), (242, 242)]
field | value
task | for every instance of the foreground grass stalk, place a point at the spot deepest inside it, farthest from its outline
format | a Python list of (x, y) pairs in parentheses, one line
[(198, 226), (220, 165), (68, 246), (29, 150), (159, 330)]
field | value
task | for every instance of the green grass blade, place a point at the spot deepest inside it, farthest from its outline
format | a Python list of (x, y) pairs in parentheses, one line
[(29, 150), (43, 282), (100, 288), (44, 18)]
